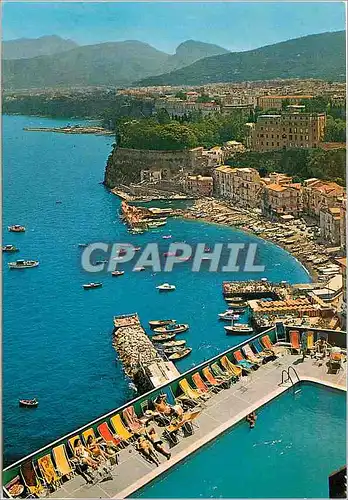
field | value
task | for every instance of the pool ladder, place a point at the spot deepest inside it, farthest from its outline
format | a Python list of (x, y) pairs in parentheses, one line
[(288, 377)]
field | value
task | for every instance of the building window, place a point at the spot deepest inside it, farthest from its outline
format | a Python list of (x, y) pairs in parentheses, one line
[(266, 143), (290, 137)]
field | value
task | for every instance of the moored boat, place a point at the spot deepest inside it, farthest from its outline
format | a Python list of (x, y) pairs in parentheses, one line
[(166, 287), (88, 286), (156, 323), (117, 273), (97, 262), (23, 264), (16, 228), (163, 337), (10, 248), (180, 354), (228, 316), (29, 403), (238, 329), (174, 343), (139, 268), (180, 328), (82, 245)]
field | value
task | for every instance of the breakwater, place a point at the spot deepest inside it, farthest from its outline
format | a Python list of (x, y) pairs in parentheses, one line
[(76, 129), (141, 362)]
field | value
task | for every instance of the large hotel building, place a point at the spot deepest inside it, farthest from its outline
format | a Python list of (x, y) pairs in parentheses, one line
[(288, 130)]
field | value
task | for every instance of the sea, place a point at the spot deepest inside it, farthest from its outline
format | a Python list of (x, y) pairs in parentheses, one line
[(57, 337)]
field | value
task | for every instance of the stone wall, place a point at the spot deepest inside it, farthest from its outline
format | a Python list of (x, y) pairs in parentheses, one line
[(124, 165)]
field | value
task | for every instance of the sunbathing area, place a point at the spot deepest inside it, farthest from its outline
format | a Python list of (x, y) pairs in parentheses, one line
[(116, 455)]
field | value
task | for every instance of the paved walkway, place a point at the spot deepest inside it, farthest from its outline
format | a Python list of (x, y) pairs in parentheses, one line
[(221, 411)]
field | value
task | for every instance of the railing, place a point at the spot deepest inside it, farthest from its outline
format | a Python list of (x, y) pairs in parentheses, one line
[(288, 376)]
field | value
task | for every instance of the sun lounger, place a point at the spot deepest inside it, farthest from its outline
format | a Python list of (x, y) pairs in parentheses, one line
[(251, 356), (219, 372), (71, 443), (87, 433), (277, 350), (120, 429), (265, 353), (242, 362), (234, 370), (191, 393), (48, 471), (187, 420), (310, 341), (63, 464), (107, 435), (201, 385), (133, 422), (335, 361), (295, 340), (216, 382), (30, 479)]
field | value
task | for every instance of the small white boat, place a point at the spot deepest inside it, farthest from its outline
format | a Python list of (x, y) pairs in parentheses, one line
[(10, 248), (139, 268), (238, 329), (89, 286), (167, 237), (117, 273), (166, 287), (228, 315), (82, 245), (16, 228), (23, 264)]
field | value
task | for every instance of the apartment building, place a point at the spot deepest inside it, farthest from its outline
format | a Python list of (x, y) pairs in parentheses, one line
[(320, 195), (177, 107), (198, 185), (278, 199), (288, 130), (330, 225), (343, 224), (242, 185), (276, 101)]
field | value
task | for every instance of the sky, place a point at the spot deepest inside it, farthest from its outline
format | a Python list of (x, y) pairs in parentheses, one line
[(236, 26)]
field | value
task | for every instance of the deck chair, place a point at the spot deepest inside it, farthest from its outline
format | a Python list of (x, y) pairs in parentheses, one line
[(234, 370), (31, 480), (133, 422), (219, 372), (295, 340), (63, 464), (120, 429), (310, 341), (48, 472), (89, 432), (71, 443), (216, 382), (170, 431), (108, 436), (277, 350), (242, 362), (335, 361), (251, 356), (193, 394), (265, 353), (201, 385)]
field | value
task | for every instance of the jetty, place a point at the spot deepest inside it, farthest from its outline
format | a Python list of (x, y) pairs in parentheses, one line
[(142, 363), (141, 217), (249, 290), (71, 129)]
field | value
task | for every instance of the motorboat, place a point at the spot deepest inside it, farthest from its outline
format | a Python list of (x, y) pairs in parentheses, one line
[(180, 354), (82, 245), (174, 343), (238, 329), (163, 337), (88, 286), (136, 230), (10, 248), (166, 287), (167, 237), (98, 262), (156, 323), (29, 403), (139, 268), (229, 315), (16, 228), (23, 264), (180, 328), (117, 273)]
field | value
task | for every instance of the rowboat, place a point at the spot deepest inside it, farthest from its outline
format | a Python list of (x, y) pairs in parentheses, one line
[(10, 248), (16, 228), (180, 354), (238, 329), (174, 343), (88, 286), (172, 328), (117, 273), (156, 323), (29, 403), (23, 264), (163, 337), (166, 287)]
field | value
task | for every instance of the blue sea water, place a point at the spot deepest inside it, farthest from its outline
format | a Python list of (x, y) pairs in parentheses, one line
[(298, 441), (56, 336)]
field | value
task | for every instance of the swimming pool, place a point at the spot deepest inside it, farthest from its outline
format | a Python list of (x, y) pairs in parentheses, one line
[(299, 439)]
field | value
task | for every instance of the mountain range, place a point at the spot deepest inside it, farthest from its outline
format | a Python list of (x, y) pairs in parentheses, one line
[(320, 56), (110, 64), (119, 64)]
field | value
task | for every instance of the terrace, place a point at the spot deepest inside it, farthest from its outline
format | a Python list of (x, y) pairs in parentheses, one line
[(218, 414)]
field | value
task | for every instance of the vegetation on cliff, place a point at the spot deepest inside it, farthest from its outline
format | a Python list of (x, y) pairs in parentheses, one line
[(300, 163)]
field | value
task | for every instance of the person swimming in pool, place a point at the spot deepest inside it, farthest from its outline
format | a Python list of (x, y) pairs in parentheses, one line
[(251, 419)]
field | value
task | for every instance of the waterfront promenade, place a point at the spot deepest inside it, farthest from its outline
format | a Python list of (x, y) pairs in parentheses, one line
[(221, 411)]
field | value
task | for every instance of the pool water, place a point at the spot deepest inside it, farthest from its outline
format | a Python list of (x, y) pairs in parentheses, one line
[(298, 441)]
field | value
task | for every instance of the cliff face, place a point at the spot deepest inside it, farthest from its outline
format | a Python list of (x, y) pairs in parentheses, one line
[(124, 165)]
